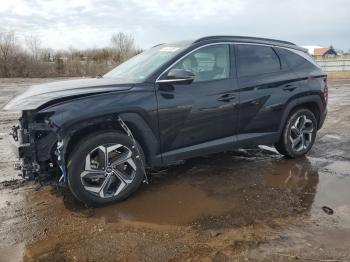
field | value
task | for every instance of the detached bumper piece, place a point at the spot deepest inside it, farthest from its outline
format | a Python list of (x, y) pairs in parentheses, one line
[(24, 152), (135, 148), (17, 148), (20, 151), (28, 142)]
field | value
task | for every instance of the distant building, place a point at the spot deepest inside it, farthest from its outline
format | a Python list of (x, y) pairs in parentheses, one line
[(321, 52), (311, 48), (325, 52)]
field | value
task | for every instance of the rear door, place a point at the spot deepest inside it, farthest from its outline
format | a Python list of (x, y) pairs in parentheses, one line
[(265, 84)]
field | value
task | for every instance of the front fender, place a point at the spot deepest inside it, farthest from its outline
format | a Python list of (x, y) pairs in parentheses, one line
[(100, 112)]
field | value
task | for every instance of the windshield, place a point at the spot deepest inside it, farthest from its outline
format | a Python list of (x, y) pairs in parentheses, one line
[(138, 68)]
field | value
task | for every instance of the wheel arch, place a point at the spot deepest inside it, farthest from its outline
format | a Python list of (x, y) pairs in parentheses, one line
[(312, 103), (138, 126)]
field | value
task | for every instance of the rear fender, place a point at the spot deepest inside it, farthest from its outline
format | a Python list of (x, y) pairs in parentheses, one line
[(298, 102)]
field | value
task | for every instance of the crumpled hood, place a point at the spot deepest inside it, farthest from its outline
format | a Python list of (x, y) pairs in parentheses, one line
[(38, 95)]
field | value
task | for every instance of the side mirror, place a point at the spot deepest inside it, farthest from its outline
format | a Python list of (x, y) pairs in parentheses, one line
[(178, 76)]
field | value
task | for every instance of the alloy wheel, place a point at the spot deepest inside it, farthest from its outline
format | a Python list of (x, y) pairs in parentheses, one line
[(108, 170), (301, 133)]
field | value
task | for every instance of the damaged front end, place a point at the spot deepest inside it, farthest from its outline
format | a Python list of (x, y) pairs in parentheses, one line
[(35, 142), (41, 148)]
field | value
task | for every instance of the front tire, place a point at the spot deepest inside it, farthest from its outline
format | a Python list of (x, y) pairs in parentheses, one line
[(103, 168), (298, 135)]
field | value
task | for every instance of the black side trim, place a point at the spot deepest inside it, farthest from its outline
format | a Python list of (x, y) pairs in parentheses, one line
[(255, 139), (207, 148)]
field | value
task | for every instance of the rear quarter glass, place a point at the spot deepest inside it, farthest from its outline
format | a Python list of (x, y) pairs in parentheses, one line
[(299, 61)]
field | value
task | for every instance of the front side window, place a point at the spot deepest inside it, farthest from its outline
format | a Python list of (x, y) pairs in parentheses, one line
[(257, 60), (207, 63)]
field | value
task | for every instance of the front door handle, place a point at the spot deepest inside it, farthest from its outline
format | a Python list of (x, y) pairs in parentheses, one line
[(289, 88), (227, 98)]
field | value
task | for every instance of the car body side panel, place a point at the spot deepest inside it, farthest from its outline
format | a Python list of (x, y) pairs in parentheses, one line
[(137, 106), (75, 110), (191, 114), (311, 78), (193, 117), (266, 101), (263, 101)]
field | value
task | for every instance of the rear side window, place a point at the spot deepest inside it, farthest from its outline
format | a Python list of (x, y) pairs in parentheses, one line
[(256, 60), (297, 59)]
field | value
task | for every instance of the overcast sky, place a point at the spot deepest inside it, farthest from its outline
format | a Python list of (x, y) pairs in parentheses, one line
[(90, 23)]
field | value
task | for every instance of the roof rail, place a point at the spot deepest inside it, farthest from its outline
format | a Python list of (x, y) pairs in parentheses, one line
[(157, 45), (243, 39)]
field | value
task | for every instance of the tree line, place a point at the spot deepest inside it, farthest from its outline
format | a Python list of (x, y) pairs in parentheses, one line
[(31, 59)]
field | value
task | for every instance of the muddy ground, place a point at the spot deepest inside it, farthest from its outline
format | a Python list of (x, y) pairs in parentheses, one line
[(248, 205)]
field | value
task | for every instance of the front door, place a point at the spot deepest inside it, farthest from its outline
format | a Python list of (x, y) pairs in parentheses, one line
[(200, 117)]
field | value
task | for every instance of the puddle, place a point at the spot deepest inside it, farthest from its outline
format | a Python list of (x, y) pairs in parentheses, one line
[(293, 175), (234, 189), (175, 204), (333, 191), (224, 186), (228, 189)]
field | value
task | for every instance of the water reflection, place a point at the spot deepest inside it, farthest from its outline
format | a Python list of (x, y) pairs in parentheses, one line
[(298, 176), (221, 190)]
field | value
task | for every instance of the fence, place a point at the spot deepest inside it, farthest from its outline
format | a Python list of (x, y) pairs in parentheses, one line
[(334, 64)]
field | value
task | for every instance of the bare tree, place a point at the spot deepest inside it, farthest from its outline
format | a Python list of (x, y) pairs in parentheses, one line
[(34, 46), (35, 61), (124, 46), (7, 52)]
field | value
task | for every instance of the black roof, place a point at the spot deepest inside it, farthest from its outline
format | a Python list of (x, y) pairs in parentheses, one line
[(248, 39)]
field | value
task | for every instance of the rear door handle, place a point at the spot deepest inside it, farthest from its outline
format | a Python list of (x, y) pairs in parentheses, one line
[(289, 88), (227, 98)]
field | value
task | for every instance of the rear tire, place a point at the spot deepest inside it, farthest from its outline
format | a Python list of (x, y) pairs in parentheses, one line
[(298, 134), (103, 168)]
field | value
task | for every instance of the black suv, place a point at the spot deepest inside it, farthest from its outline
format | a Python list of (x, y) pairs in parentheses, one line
[(172, 102)]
